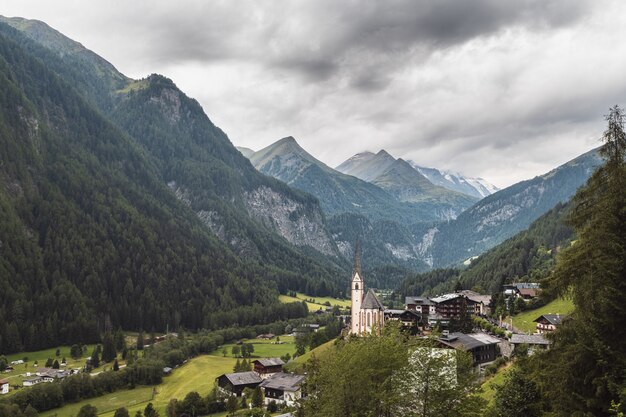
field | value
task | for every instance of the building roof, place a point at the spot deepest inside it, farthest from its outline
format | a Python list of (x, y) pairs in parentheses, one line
[(243, 378), (531, 292), (554, 319), (520, 285), (4, 381), (529, 339), (418, 300), (283, 382), (370, 301), (476, 297), (270, 362), (448, 297), (468, 341)]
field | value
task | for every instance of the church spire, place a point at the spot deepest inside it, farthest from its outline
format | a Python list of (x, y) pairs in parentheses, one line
[(357, 258)]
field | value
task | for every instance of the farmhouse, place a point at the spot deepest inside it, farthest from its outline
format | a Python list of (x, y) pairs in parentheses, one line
[(4, 386), (265, 368), (283, 388), (408, 318), (534, 342), (237, 382), (525, 290), (421, 305), (547, 323), (480, 345), (32, 381), (367, 311)]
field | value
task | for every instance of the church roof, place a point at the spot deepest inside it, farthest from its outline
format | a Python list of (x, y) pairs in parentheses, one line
[(370, 301)]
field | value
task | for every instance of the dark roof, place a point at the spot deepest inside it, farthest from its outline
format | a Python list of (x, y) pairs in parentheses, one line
[(467, 341), (370, 301), (554, 319), (243, 378), (418, 300), (283, 382), (529, 339), (270, 362)]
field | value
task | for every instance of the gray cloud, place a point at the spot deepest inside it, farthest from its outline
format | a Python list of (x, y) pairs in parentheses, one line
[(500, 89)]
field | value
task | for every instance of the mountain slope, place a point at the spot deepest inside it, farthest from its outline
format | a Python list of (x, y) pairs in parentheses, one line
[(508, 211), (404, 182), (90, 237), (244, 209), (476, 187)]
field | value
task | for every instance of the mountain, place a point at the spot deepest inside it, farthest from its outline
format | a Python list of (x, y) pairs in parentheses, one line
[(476, 187), (194, 157), (504, 213), (128, 207), (404, 182), (247, 152), (529, 255), (367, 165)]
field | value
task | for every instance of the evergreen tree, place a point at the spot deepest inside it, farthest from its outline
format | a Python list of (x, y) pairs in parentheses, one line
[(120, 340), (140, 341), (56, 364), (87, 410), (232, 404), (116, 365), (257, 398), (588, 358), (150, 411), (517, 397), (121, 412), (108, 348), (237, 367)]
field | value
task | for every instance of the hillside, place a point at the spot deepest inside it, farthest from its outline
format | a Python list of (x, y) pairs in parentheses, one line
[(92, 237), (505, 213), (528, 256)]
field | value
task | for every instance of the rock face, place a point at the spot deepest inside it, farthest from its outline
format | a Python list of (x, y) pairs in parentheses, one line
[(292, 220)]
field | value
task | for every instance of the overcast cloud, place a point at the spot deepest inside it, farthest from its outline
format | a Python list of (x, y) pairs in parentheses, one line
[(505, 90)]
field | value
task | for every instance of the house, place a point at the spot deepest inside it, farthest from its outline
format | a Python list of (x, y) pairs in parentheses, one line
[(167, 370), (526, 290), (265, 368), (547, 322), (421, 305), (451, 306), (267, 336), (367, 312), (534, 341), (408, 318), (4, 386), (237, 382), (283, 388), (32, 381), (481, 302), (50, 374), (480, 345)]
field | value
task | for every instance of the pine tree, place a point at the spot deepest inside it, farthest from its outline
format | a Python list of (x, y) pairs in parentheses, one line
[(116, 365), (140, 341), (257, 397), (588, 358), (108, 348)]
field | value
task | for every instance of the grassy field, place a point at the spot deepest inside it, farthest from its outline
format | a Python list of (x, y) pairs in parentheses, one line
[(19, 373), (524, 321), (136, 398), (264, 348), (319, 351), (198, 375), (489, 390), (316, 303)]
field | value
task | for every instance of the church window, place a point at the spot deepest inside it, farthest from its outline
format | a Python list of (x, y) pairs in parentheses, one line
[(356, 286), (368, 318)]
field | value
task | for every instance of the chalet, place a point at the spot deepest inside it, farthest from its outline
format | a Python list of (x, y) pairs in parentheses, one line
[(452, 305), (265, 368), (534, 341), (547, 323), (237, 382), (480, 345), (32, 381), (408, 318), (4, 386), (481, 302), (283, 388), (420, 305), (525, 290), (267, 336)]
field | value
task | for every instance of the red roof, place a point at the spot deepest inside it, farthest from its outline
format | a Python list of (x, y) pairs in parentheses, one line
[(4, 381)]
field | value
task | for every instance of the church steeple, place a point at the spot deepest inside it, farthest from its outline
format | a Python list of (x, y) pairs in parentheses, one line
[(357, 258)]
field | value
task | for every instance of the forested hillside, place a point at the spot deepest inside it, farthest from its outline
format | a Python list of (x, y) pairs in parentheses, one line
[(91, 237), (528, 256)]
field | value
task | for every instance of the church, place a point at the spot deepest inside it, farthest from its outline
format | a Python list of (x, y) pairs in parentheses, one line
[(368, 313)]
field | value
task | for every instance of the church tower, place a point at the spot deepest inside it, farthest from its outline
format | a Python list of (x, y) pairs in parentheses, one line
[(357, 291)]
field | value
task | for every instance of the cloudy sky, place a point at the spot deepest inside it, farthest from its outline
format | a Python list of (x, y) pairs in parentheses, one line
[(501, 89)]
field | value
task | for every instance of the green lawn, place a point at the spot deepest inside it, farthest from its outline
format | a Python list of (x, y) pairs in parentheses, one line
[(317, 303), (136, 399), (264, 348), (524, 321), (19, 373), (319, 351), (489, 390)]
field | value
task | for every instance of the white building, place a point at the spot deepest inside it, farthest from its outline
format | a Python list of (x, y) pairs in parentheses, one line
[(4, 386), (367, 311)]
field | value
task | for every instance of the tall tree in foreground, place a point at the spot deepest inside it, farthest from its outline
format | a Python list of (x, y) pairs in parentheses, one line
[(586, 368)]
